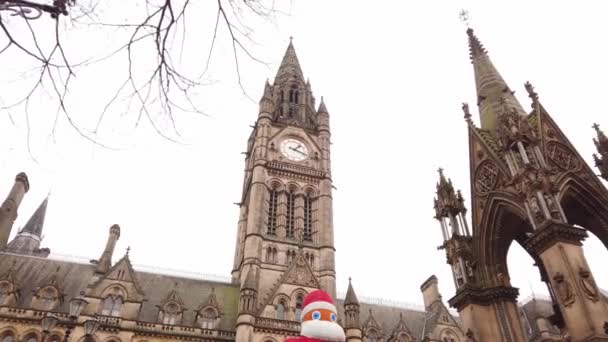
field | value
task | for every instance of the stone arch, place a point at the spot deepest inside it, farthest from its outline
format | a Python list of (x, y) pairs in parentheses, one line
[(293, 187), (7, 333), (276, 184), (28, 334), (112, 339), (585, 206), (310, 191), (269, 339), (504, 221), (116, 290)]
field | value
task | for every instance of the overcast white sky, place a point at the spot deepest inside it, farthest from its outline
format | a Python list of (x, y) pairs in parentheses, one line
[(393, 74)]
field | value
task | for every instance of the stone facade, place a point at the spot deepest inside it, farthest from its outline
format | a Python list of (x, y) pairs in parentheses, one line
[(285, 243)]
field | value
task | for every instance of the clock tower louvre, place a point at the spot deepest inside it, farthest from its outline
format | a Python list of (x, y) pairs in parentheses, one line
[(285, 230)]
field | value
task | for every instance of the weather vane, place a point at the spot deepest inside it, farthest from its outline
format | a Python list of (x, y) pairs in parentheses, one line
[(465, 17)]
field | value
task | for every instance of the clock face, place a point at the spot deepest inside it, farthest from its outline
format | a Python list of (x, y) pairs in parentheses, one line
[(294, 149)]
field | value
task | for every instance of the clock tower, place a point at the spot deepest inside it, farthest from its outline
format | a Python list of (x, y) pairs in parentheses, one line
[(285, 243)]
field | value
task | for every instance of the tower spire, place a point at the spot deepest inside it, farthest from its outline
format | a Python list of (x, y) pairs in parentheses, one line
[(493, 93), (35, 224), (290, 66)]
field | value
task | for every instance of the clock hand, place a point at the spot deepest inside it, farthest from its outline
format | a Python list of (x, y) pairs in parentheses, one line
[(295, 149)]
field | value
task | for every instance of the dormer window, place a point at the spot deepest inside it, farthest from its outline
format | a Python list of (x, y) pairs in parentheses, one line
[(171, 313), (46, 298)]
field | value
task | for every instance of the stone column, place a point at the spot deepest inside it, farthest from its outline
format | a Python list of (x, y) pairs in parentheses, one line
[(559, 247), (8, 210)]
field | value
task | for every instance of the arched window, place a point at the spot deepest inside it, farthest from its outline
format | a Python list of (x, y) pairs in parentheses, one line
[(291, 215), (208, 319), (111, 306), (299, 300), (372, 336), (171, 314), (281, 306), (8, 337), (30, 338), (273, 202), (307, 218), (53, 338)]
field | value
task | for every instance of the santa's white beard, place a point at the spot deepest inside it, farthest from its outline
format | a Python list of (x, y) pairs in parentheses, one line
[(323, 330)]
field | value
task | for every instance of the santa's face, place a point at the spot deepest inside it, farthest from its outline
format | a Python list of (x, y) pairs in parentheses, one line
[(321, 324)]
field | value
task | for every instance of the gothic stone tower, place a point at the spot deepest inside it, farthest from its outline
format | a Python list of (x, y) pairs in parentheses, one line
[(528, 185), (285, 243)]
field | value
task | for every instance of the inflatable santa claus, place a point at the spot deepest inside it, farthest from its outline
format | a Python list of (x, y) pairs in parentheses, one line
[(319, 315)]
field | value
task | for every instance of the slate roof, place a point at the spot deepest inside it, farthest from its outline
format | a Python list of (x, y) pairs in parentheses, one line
[(388, 317), (31, 272)]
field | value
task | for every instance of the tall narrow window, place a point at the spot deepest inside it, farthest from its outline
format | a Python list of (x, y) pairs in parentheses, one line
[(111, 306), (281, 310), (272, 212), (307, 218), (299, 308), (291, 215)]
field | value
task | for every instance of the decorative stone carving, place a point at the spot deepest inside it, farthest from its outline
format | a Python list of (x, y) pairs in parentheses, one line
[(588, 284), (563, 289), (486, 177), (470, 336), (562, 156)]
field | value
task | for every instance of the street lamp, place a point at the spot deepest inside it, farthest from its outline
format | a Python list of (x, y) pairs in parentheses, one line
[(90, 327), (48, 322)]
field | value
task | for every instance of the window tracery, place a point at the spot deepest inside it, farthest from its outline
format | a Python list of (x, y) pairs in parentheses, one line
[(171, 313), (209, 319), (112, 305)]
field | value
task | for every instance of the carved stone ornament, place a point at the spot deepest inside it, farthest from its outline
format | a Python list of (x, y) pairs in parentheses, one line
[(486, 177), (563, 289), (562, 156), (301, 275), (512, 127), (470, 336), (588, 284)]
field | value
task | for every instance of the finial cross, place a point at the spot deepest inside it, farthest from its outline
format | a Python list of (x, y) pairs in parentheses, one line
[(128, 249), (464, 16), (596, 126)]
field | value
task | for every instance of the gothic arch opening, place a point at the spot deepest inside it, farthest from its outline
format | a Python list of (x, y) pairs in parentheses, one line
[(584, 208)]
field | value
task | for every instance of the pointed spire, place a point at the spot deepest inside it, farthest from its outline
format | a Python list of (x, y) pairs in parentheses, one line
[(601, 143), (290, 66), (493, 93), (267, 91), (351, 297), (35, 224), (322, 107)]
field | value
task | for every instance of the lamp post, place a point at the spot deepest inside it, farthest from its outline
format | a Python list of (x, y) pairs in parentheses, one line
[(77, 304)]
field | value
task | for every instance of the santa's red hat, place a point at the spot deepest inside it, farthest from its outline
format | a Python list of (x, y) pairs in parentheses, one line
[(319, 315)]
